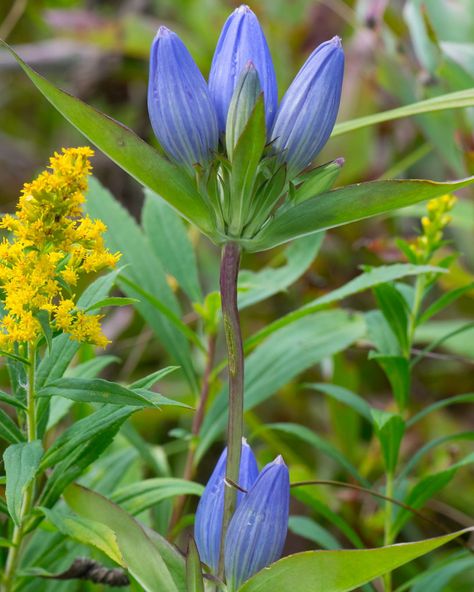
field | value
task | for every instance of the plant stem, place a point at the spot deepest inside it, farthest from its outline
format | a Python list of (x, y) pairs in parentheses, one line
[(387, 579), (196, 428), (230, 263), (420, 284), (18, 531)]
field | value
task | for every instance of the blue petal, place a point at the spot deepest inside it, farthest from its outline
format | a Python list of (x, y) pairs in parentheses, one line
[(308, 110), (241, 40), (258, 529), (179, 104), (209, 513)]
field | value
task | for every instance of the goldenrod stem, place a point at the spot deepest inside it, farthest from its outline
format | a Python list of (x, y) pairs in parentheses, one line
[(18, 532), (228, 284)]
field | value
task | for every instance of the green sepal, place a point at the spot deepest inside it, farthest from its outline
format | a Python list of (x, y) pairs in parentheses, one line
[(316, 181), (241, 106), (245, 165)]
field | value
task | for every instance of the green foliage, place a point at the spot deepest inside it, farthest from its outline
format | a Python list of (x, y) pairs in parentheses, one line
[(339, 571)]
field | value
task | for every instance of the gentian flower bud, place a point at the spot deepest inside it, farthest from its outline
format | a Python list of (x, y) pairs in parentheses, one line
[(210, 511), (179, 104), (308, 110), (241, 40), (258, 528), (241, 106)]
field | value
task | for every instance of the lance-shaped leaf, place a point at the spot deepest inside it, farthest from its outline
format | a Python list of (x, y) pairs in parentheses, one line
[(340, 570), (125, 148), (348, 204)]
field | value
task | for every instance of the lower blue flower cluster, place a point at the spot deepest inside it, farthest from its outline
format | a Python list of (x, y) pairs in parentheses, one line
[(257, 531)]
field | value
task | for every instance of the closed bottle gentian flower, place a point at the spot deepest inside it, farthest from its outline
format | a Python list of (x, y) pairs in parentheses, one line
[(258, 528), (241, 40), (179, 104), (210, 511), (308, 110)]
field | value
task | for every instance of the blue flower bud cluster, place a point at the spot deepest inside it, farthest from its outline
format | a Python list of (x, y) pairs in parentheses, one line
[(189, 116), (258, 528)]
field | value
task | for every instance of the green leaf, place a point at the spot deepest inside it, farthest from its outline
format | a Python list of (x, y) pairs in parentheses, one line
[(98, 390), (11, 400), (340, 570), (389, 428), (437, 578), (309, 529), (425, 489), (21, 464), (347, 204), (308, 436), (257, 286), (13, 357), (126, 149), (59, 406), (381, 335), (415, 459), (86, 531), (139, 553), (9, 430), (281, 358), (137, 497), (148, 381), (194, 580), (397, 370), (170, 243), (44, 320), (364, 281), (145, 271), (307, 496), (457, 399), (346, 396), (76, 460), (394, 309), (147, 300), (443, 301), (456, 335), (83, 430), (454, 100), (112, 301), (55, 362)]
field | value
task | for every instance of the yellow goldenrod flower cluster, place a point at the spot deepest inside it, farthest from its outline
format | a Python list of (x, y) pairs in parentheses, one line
[(52, 245), (433, 224)]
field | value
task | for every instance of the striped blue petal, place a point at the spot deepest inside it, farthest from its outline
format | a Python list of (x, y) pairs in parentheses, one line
[(241, 40), (258, 528), (210, 511), (180, 108), (308, 110)]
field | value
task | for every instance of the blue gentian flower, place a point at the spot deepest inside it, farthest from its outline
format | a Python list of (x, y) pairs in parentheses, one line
[(179, 104), (308, 110), (210, 511), (258, 528), (241, 40)]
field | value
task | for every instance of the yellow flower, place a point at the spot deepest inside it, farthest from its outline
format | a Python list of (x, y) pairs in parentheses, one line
[(432, 227), (53, 243)]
